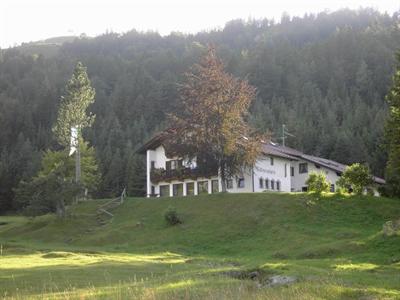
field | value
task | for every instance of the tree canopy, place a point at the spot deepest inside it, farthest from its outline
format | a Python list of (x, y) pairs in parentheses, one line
[(356, 178), (72, 112), (392, 133), (211, 122)]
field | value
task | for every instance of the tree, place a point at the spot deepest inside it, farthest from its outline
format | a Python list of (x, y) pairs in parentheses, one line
[(47, 193), (54, 186), (211, 124), (392, 134), (72, 115), (356, 177), (317, 183), (90, 171)]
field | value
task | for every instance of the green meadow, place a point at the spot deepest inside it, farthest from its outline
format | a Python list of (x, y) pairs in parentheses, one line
[(332, 245)]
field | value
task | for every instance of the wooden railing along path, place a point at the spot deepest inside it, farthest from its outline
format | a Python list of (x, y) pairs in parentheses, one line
[(104, 214)]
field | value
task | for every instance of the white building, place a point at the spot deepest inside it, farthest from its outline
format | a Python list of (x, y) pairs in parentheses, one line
[(279, 169)]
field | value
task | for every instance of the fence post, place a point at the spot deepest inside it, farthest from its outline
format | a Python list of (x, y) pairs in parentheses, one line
[(123, 195)]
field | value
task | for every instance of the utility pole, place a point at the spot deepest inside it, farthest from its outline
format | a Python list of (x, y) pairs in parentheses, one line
[(285, 134), (78, 164)]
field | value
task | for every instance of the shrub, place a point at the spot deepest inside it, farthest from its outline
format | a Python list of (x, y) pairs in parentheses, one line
[(356, 177), (341, 190), (317, 183), (171, 216)]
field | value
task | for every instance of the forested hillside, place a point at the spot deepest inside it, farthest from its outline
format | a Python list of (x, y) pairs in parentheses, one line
[(324, 76)]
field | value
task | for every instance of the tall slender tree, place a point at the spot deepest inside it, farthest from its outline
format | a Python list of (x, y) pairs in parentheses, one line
[(73, 115), (211, 124), (392, 132)]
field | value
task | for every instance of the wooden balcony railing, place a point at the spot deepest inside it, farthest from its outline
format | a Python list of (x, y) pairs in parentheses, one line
[(160, 174)]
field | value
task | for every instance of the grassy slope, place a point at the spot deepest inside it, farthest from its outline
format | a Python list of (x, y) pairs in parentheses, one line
[(333, 245)]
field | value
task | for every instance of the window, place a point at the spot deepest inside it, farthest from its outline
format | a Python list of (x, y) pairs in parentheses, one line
[(153, 190), (261, 183), (177, 189), (304, 189), (267, 184), (214, 186), (332, 189), (176, 164), (240, 183), (317, 166), (164, 190), (190, 188), (291, 171), (303, 168), (202, 187), (285, 170), (272, 184), (278, 185), (153, 164), (229, 184), (173, 164), (271, 160)]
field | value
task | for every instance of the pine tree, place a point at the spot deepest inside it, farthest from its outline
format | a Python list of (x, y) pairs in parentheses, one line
[(72, 112), (392, 134)]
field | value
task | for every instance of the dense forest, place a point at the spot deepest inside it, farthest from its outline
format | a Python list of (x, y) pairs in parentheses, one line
[(325, 76)]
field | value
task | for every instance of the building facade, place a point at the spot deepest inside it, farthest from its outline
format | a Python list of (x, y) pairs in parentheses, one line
[(278, 169)]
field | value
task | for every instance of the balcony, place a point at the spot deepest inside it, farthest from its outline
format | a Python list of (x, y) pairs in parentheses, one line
[(160, 174)]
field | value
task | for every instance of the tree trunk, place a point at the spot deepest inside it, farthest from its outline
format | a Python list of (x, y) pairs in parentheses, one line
[(223, 179), (77, 166), (60, 208)]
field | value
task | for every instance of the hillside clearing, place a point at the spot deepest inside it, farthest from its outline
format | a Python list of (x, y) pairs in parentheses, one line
[(332, 246)]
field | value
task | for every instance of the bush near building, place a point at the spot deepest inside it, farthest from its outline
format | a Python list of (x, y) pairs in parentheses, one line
[(317, 183), (356, 178)]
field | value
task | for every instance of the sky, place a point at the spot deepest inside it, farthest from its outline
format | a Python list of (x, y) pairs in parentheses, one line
[(33, 20)]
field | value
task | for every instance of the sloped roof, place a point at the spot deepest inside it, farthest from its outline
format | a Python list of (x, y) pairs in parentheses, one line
[(278, 150), (270, 149), (155, 141)]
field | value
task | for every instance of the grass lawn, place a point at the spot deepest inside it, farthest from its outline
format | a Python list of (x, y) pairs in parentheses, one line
[(333, 246)]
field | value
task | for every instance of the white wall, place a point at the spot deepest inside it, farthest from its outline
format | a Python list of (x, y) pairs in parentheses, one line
[(158, 156), (299, 180), (265, 170), (248, 182), (148, 183)]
